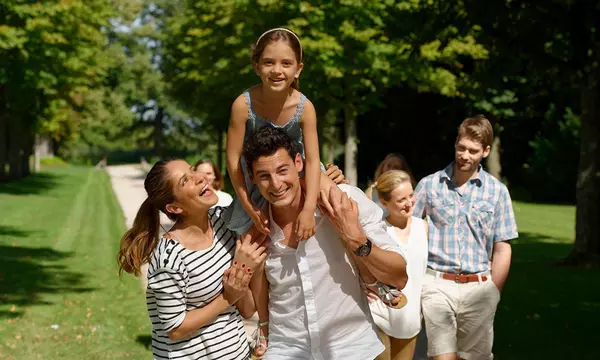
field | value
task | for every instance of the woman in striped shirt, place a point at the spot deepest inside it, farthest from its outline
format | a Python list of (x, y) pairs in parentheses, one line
[(194, 295)]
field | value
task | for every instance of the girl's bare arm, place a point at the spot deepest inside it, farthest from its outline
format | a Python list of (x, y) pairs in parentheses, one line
[(311, 148), (235, 144)]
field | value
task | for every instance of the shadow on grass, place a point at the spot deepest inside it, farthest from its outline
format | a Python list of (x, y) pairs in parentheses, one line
[(546, 310), (12, 231), (145, 340), (33, 184), (26, 274)]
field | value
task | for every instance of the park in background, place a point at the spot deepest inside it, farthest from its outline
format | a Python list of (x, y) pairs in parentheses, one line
[(112, 81), (118, 80)]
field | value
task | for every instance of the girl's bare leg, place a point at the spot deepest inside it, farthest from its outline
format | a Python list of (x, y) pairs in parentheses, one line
[(260, 291), (403, 349), (385, 339)]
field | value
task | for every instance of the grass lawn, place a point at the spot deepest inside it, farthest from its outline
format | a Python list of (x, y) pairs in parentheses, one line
[(547, 311), (60, 294)]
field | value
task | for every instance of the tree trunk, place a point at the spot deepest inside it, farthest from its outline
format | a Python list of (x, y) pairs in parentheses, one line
[(331, 147), (493, 161), (15, 150), (321, 128), (37, 154), (586, 251), (220, 150), (327, 138), (3, 141), (158, 133), (27, 150), (351, 146)]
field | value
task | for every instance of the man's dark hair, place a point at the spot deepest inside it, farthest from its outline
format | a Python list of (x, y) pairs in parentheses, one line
[(266, 141)]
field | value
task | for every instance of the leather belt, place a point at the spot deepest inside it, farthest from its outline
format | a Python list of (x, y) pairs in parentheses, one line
[(460, 278), (463, 278)]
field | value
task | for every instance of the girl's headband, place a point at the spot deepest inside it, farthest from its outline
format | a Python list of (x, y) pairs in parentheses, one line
[(286, 30)]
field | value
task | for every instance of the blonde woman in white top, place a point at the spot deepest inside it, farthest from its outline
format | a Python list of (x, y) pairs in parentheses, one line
[(399, 328)]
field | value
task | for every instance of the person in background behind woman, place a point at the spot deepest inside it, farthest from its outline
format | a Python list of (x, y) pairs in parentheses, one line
[(398, 328), (208, 168), (392, 161)]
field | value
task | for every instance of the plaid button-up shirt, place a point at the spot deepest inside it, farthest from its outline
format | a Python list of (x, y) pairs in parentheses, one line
[(464, 223)]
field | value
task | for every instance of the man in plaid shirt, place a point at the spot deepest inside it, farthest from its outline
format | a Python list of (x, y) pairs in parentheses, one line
[(471, 223)]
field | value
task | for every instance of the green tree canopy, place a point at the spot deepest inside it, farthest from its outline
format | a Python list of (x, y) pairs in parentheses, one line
[(51, 53), (354, 50)]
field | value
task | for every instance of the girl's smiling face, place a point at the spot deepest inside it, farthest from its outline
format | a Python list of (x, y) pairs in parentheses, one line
[(278, 66)]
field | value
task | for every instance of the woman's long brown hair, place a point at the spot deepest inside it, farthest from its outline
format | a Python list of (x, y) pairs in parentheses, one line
[(138, 242)]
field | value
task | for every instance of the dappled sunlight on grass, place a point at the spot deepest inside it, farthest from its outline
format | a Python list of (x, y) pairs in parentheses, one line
[(551, 221), (546, 309)]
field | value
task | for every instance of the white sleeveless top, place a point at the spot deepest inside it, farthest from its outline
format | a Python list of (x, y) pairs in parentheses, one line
[(405, 323)]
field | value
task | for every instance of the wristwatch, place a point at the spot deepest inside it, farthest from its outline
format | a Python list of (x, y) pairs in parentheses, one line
[(364, 249)]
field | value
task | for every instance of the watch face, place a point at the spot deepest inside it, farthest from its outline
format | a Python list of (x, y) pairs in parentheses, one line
[(364, 249)]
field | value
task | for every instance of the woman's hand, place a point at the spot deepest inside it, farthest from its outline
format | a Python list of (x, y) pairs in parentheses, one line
[(371, 295), (235, 283), (250, 250)]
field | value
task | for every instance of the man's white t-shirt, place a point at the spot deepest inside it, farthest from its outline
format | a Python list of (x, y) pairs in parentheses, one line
[(317, 308)]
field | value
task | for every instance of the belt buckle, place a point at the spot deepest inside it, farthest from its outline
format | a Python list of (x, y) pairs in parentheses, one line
[(456, 279)]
